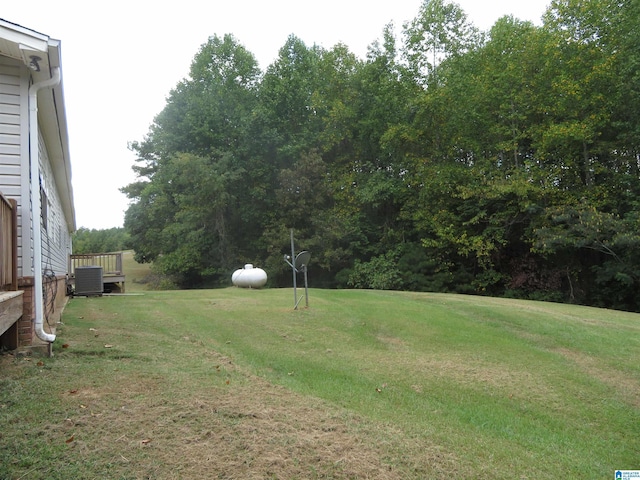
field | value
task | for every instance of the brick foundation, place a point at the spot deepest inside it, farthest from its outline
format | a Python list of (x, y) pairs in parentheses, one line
[(54, 302)]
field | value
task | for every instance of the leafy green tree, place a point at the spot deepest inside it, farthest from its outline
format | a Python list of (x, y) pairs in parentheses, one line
[(599, 250), (585, 146), (627, 117), (192, 166), (100, 241), (505, 86), (288, 108), (501, 163), (307, 108), (374, 181), (440, 30), (583, 69)]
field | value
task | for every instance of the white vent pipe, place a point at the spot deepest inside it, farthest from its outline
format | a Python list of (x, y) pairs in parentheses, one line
[(34, 159)]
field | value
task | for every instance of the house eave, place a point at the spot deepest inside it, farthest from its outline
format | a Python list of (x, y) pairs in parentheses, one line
[(24, 44), (53, 123)]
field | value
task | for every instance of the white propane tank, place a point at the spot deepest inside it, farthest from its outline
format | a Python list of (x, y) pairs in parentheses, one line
[(249, 277)]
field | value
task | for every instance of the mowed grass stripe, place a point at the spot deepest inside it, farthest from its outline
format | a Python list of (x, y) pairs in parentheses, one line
[(495, 387)]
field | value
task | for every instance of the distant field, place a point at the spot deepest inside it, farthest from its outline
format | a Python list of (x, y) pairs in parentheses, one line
[(137, 274), (235, 384)]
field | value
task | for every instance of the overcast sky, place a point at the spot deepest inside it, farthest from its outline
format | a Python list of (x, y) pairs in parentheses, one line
[(121, 58)]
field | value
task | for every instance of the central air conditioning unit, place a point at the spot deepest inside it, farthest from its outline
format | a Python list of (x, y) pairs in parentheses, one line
[(89, 280)]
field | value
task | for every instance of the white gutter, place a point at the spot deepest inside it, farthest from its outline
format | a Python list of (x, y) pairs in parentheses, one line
[(34, 159)]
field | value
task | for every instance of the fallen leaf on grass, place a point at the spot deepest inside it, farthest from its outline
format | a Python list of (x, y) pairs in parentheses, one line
[(83, 406), (146, 441), (70, 439), (73, 391), (65, 345), (108, 346)]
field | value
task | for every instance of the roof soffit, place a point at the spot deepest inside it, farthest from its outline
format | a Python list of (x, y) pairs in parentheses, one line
[(21, 43)]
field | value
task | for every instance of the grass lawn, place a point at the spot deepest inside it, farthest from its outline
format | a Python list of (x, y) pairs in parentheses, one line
[(235, 384)]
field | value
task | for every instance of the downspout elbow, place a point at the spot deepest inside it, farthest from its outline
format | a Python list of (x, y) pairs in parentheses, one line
[(34, 165), (36, 87)]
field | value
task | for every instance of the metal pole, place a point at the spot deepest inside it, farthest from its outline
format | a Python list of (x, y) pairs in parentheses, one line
[(293, 259), (306, 287)]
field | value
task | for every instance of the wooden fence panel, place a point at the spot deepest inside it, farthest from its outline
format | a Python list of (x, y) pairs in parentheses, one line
[(8, 244)]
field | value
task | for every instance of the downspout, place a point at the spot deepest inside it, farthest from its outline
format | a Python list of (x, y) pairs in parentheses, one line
[(34, 165)]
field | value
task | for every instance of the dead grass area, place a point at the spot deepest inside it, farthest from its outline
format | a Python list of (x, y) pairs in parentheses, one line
[(148, 426), (627, 386), (246, 433)]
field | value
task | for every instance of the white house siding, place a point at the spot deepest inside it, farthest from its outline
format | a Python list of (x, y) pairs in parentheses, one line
[(56, 241), (14, 174), (13, 144)]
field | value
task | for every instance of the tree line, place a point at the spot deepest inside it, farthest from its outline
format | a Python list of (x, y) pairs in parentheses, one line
[(92, 240), (450, 159)]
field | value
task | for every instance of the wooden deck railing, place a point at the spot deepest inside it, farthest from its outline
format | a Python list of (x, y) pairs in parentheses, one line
[(8, 244), (111, 263)]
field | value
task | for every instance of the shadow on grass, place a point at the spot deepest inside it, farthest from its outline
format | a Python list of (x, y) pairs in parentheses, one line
[(103, 354)]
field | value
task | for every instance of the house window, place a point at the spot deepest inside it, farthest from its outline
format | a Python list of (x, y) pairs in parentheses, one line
[(44, 208)]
